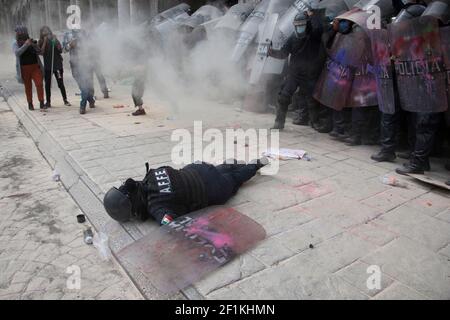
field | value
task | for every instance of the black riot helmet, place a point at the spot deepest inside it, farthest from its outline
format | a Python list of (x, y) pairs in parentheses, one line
[(300, 24), (118, 205), (410, 12)]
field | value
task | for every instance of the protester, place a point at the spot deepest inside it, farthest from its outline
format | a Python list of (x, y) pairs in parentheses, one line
[(51, 49), (81, 63), (28, 66)]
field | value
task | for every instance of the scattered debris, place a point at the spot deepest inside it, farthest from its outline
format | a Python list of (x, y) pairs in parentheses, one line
[(311, 246), (81, 218), (100, 241), (285, 154), (160, 126), (392, 181), (137, 123), (88, 236), (56, 176), (120, 106)]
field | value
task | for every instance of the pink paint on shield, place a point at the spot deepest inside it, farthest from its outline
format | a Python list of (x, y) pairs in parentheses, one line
[(219, 240)]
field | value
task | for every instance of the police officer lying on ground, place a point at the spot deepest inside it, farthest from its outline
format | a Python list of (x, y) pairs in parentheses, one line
[(167, 193)]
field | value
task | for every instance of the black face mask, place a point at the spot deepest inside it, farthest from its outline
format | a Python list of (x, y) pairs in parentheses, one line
[(345, 26)]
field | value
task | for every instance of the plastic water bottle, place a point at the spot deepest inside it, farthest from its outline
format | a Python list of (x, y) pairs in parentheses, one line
[(392, 181), (88, 236)]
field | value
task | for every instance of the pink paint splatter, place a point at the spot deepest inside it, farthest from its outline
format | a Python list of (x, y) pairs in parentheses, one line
[(219, 240)]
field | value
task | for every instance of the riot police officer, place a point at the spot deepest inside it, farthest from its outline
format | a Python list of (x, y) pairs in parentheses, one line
[(307, 57), (167, 193)]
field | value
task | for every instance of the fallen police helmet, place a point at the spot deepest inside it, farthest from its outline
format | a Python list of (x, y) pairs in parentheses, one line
[(117, 205)]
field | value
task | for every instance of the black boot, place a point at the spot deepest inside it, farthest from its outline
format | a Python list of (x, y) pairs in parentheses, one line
[(82, 110), (383, 156), (353, 140), (404, 155), (334, 133), (426, 166), (410, 168), (30, 106), (324, 126), (301, 121), (42, 105), (48, 104), (280, 117)]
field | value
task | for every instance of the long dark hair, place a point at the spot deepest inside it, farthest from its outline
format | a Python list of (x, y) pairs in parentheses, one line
[(41, 35)]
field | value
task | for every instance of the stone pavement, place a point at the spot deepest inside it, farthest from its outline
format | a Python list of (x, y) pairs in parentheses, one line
[(327, 220), (39, 234)]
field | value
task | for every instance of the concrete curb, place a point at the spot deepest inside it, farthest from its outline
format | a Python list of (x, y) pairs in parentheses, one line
[(87, 194)]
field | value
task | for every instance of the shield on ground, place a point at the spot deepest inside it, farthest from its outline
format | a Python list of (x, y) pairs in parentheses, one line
[(334, 86), (383, 70), (419, 68), (184, 251)]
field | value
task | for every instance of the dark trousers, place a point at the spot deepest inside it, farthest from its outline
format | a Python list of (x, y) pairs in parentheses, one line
[(48, 83), (342, 120), (390, 126), (223, 181), (366, 123), (311, 107), (84, 76), (101, 78), (427, 126), (138, 89)]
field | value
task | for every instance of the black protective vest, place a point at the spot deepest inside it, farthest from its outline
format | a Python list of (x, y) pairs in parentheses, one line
[(179, 191)]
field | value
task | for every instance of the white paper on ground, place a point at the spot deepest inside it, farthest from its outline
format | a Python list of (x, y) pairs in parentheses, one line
[(285, 154)]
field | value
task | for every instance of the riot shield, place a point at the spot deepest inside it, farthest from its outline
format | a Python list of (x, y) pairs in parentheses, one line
[(189, 248), (364, 86), (419, 68), (335, 85), (262, 52), (383, 70), (171, 13), (386, 7), (445, 42), (249, 29), (333, 8), (235, 16), (203, 14)]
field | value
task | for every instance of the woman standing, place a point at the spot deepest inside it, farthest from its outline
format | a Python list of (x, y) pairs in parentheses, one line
[(51, 50), (28, 66)]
